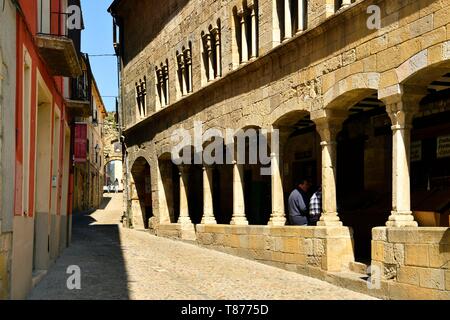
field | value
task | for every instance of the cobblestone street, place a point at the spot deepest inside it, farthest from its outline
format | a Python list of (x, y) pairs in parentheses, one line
[(118, 263)]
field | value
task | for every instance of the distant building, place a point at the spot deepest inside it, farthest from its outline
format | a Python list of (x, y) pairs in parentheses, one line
[(89, 159)]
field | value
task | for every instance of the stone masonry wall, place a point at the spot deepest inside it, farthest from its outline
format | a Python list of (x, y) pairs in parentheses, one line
[(415, 262), (5, 261), (299, 249)]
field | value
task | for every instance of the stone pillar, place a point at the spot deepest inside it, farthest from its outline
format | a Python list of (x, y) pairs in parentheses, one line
[(346, 3), (301, 11), (253, 31), (276, 32), (208, 208), (210, 57), (278, 216), (184, 208), (166, 84), (401, 109), (287, 20), (278, 139), (244, 43), (238, 195), (182, 71), (188, 62), (328, 128), (218, 53), (160, 86)]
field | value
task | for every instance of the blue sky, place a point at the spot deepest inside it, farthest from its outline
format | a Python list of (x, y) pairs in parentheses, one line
[(97, 39)]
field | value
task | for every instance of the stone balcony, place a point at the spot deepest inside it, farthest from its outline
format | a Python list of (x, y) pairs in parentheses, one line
[(59, 54)]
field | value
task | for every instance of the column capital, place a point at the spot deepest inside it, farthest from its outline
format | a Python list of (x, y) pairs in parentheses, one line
[(251, 7), (402, 103), (402, 93), (328, 126), (183, 169), (207, 166)]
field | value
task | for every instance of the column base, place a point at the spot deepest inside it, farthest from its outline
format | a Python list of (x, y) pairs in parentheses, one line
[(399, 219), (239, 221), (330, 220), (184, 220), (277, 221), (208, 220)]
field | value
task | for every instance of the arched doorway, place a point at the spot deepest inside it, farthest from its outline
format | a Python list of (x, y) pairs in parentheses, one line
[(141, 193)]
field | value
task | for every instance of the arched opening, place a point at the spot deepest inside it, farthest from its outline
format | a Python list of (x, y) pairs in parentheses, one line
[(215, 157), (253, 153), (169, 195), (430, 149), (141, 195), (113, 176), (364, 170), (300, 153)]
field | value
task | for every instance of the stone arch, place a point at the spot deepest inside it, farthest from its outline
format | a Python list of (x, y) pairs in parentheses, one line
[(141, 192), (423, 67), (351, 90), (168, 188)]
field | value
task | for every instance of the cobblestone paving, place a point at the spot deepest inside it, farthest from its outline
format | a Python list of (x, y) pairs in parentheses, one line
[(118, 263)]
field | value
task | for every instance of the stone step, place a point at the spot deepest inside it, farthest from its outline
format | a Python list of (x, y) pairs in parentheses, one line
[(358, 267), (37, 276)]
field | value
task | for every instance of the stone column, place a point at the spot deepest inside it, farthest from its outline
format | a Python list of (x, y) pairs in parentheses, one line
[(182, 71), (253, 31), (188, 62), (166, 84), (346, 3), (210, 57), (208, 208), (160, 86), (328, 128), (301, 10), (401, 109), (277, 141), (238, 195), (278, 217), (287, 20), (184, 208), (244, 43), (276, 32), (218, 53)]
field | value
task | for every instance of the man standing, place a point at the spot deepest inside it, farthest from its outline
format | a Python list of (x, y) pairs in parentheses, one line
[(298, 203)]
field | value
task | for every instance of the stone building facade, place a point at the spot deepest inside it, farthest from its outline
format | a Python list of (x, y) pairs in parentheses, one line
[(357, 93)]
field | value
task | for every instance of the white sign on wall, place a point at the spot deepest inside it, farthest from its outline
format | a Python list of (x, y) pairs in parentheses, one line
[(443, 147), (416, 151)]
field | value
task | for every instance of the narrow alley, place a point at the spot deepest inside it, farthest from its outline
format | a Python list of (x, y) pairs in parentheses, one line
[(119, 263)]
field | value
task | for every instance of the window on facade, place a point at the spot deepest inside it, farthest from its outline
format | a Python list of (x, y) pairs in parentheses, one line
[(141, 95), (246, 23), (212, 55), (291, 18), (162, 83), (184, 61), (43, 18)]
